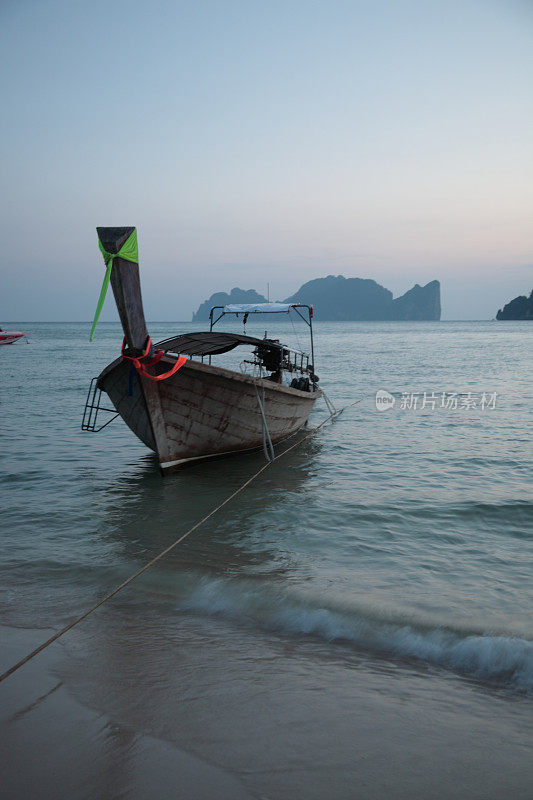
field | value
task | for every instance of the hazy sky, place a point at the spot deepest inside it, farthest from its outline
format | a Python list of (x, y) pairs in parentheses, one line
[(254, 141)]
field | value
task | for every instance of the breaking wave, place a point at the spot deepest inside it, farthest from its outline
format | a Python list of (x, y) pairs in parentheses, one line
[(504, 660)]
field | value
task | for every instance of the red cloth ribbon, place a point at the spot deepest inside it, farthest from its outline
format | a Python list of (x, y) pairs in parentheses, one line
[(147, 360)]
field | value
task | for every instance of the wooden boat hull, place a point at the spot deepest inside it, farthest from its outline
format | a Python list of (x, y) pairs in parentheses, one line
[(205, 410)]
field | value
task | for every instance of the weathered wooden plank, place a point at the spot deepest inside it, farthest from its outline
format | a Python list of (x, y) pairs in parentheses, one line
[(210, 412), (126, 286)]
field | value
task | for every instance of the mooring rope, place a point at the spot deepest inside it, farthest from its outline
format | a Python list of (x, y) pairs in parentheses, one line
[(269, 453), (161, 555), (331, 408)]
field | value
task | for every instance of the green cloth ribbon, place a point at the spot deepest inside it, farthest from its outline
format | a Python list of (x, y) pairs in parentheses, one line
[(129, 251)]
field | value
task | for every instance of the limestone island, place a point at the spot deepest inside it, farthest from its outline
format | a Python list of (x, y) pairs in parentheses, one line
[(340, 299), (519, 308)]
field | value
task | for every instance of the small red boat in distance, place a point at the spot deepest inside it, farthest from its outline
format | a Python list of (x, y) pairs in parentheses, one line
[(9, 337)]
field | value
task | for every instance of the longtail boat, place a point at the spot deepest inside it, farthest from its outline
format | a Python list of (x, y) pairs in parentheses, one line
[(171, 394)]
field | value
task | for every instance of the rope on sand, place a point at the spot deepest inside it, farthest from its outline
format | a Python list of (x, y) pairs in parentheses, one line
[(161, 555)]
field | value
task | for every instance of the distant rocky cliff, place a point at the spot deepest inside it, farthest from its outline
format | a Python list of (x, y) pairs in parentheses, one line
[(519, 308), (419, 303), (339, 298), (343, 299)]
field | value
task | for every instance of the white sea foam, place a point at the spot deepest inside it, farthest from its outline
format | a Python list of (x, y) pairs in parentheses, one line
[(495, 658)]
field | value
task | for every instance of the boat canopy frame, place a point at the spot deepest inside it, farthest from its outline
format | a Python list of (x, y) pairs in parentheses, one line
[(208, 343), (268, 308)]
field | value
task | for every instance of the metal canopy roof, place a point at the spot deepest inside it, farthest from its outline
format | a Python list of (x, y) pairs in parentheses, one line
[(254, 308), (206, 343)]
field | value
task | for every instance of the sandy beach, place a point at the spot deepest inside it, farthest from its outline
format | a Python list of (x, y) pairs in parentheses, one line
[(273, 732), (53, 746)]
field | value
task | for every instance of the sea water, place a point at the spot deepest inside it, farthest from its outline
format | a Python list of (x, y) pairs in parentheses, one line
[(356, 623)]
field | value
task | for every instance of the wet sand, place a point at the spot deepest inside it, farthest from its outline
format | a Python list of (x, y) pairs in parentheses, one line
[(260, 723), (52, 746)]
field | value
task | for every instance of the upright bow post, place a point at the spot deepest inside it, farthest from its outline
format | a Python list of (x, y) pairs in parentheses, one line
[(119, 249)]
